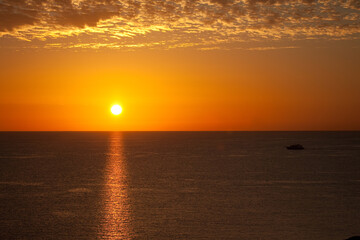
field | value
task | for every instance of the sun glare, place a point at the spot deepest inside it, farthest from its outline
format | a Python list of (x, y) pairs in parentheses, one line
[(116, 109)]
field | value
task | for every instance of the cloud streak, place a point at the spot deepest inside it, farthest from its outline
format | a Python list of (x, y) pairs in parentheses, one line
[(175, 23)]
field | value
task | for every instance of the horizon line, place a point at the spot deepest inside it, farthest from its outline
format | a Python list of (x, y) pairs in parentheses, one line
[(355, 130)]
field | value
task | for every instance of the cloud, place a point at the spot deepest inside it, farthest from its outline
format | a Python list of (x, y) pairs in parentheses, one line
[(175, 23), (14, 15), (222, 2)]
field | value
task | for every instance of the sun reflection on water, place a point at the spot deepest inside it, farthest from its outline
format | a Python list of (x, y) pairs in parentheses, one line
[(116, 203)]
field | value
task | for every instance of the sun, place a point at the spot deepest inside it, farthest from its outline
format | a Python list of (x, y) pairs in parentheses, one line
[(116, 109)]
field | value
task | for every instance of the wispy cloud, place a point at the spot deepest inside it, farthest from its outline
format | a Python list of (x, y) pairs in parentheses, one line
[(205, 24)]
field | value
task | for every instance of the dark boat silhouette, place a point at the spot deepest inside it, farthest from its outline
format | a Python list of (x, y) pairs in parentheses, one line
[(295, 147), (354, 238)]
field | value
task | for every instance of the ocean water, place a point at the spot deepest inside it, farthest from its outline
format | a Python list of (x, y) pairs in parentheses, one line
[(179, 185)]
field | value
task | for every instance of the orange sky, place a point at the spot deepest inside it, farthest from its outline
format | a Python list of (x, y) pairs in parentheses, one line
[(65, 75)]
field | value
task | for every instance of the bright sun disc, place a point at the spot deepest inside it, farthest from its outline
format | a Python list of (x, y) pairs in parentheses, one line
[(116, 109)]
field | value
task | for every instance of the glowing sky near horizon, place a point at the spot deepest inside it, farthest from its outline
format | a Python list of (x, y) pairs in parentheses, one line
[(180, 64)]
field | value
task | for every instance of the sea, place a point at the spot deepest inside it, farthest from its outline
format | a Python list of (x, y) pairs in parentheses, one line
[(179, 185)]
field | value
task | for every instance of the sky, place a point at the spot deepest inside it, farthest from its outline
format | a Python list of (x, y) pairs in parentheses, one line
[(179, 65)]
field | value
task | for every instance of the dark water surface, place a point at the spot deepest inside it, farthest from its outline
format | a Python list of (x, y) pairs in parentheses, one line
[(179, 185)]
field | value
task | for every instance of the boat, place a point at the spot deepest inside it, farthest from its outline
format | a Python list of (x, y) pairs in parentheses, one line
[(295, 147)]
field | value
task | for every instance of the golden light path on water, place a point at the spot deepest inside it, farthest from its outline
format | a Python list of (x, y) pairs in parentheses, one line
[(116, 203)]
